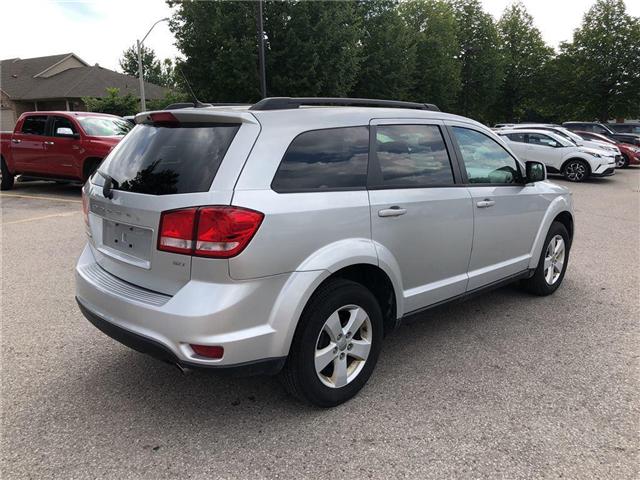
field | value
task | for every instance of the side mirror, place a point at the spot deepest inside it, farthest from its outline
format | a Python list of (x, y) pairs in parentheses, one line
[(536, 172), (66, 132)]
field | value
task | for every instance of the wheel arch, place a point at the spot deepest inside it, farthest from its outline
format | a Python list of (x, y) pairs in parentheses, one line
[(560, 209), (87, 162), (301, 286), (574, 157)]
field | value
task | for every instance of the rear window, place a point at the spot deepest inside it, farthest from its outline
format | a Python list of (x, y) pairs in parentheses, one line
[(166, 160), (334, 158), (34, 125)]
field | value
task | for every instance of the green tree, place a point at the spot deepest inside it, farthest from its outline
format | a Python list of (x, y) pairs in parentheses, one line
[(313, 48), (112, 103), (172, 96), (524, 58), (480, 60), (389, 52), (436, 77), (219, 42), (604, 63), (151, 66)]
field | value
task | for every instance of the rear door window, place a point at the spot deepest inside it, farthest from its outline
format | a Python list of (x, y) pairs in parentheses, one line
[(34, 125), (160, 160), (330, 159), (515, 137)]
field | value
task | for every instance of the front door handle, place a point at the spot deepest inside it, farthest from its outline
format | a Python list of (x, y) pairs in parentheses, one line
[(485, 203), (394, 211), (49, 143), (16, 140)]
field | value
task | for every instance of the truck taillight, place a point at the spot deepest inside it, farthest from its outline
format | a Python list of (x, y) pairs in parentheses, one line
[(215, 232)]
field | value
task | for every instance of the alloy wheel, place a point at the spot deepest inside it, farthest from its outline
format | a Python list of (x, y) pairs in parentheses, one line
[(576, 171), (343, 346), (620, 161), (554, 259)]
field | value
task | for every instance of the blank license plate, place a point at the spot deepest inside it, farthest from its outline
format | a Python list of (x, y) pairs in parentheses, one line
[(134, 241)]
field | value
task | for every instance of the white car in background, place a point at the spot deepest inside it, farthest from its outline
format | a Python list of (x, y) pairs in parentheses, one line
[(576, 163), (571, 136)]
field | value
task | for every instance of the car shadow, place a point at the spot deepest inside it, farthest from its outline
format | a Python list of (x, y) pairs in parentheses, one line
[(47, 188)]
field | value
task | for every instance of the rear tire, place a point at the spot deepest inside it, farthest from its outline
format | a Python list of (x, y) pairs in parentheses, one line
[(342, 326), (576, 170), (6, 179), (552, 264)]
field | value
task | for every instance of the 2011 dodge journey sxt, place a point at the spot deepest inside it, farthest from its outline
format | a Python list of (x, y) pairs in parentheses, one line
[(290, 236)]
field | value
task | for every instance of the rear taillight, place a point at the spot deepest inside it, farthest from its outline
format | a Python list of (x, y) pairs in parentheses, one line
[(216, 232), (85, 207), (177, 230), (166, 119)]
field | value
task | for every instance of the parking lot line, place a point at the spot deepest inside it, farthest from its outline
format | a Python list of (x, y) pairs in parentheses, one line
[(40, 197), (24, 220)]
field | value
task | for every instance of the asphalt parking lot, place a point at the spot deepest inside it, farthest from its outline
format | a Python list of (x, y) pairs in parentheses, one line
[(504, 386)]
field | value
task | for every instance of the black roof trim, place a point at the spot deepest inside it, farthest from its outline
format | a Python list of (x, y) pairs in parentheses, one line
[(284, 103), (177, 106)]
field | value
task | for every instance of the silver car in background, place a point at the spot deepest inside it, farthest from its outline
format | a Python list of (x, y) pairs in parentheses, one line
[(291, 236)]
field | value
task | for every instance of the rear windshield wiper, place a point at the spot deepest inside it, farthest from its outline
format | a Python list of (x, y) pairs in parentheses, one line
[(109, 185)]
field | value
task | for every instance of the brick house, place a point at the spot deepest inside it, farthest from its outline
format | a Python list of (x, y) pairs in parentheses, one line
[(58, 82)]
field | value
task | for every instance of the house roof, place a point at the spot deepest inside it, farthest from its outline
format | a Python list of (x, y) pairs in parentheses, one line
[(20, 80)]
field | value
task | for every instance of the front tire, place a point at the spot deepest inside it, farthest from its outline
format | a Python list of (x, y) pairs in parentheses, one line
[(623, 162), (576, 170), (336, 345), (6, 178), (553, 262)]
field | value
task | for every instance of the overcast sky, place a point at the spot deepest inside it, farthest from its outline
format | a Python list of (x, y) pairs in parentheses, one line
[(99, 30)]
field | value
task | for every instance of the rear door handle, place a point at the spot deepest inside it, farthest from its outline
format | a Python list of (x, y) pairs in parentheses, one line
[(394, 211), (49, 143), (485, 203)]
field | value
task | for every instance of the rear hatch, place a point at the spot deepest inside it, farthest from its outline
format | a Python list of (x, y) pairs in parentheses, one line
[(170, 160)]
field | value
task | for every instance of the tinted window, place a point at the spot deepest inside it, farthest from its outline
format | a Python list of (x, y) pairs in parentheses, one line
[(539, 139), (165, 160), (412, 156), (516, 137), (34, 125), (599, 129), (325, 159), (61, 122), (484, 159)]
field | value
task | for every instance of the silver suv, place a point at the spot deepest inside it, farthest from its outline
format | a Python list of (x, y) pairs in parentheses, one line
[(291, 236)]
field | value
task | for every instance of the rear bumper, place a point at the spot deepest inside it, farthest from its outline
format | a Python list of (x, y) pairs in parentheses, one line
[(157, 350), (235, 315)]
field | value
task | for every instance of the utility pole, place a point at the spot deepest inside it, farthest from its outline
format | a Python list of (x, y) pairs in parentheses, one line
[(263, 73), (143, 103)]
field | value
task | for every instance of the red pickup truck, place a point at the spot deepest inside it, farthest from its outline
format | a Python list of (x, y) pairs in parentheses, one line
[(58, 145)]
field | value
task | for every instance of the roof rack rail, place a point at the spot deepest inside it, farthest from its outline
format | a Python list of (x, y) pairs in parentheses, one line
[(283, 103), (176, 106)]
